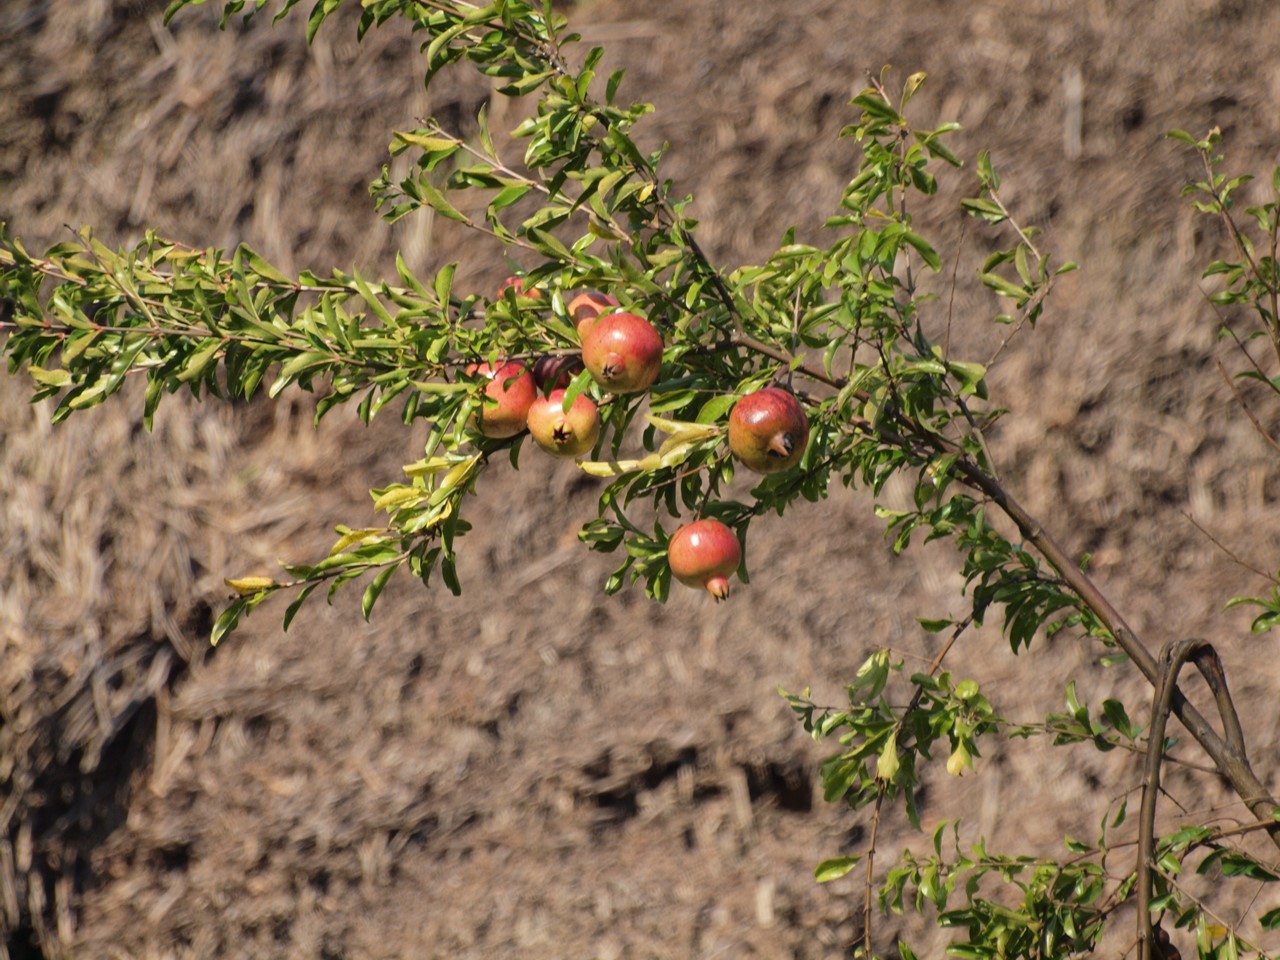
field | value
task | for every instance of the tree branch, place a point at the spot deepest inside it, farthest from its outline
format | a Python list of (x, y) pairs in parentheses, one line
[(1233, 765), (1174, 656)]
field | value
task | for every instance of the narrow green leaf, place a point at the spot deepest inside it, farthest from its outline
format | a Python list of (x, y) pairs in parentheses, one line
[(985, 209), (319, 12), (927, 253), (440, 203), (227, 620), (486, 139), (196, 363), (50, 378), (297, 603), (835, 868), (374, 590)]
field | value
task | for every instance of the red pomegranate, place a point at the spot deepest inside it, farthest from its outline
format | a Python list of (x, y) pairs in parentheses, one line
[(703, 554), (521, 288), (507, 398), (585, 307), (768, 430), (564, 433), (623, 352), (555, 372)]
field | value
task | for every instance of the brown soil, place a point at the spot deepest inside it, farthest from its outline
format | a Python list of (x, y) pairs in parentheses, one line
[(536, 770)]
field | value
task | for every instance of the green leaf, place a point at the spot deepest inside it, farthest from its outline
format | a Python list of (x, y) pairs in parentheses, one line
[(927, 253), (835, 868), (319, 12), (227, 620), (442, 40), (291, 369), (716, 408), (374, 590), (509, 195), (873, 105), (50, 378), (440, 203), (984, 209), (196, 363), (428, 142), (486, 138), (1235, 864), (1003, 287), (1115, 712)]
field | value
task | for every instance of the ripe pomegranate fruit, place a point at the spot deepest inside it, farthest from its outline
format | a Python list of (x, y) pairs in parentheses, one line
[(585, 307), (768, 430), (554, 373), (560, 432), (533, 293), (703, 554), (507, 398), (623, 352)]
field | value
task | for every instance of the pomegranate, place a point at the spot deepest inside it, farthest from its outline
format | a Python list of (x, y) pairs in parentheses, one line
[(555, 372), (623, 352), (703, 554), (768, 430), (585, 307), (507, 397), (560, 432), (533, 293)]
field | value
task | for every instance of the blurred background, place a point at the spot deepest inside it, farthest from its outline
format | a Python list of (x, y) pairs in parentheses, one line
[(536, 770)]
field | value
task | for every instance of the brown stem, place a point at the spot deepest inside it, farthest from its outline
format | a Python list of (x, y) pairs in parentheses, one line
[(870, 882), (1175, 654), (1232, 765), (1210, 666)]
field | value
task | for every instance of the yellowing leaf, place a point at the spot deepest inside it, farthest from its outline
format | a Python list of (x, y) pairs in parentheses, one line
[(424, 141), (428, 467), (247, 586), (887, 763), (608, 468), (458, 474), (682, 431), (398, 496), (52, 378), (959, 761), (352, 537)]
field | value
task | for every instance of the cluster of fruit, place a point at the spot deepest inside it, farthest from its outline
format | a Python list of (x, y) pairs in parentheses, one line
[(768, 429)]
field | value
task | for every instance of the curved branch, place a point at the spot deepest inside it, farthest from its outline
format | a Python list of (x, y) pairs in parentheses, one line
[(1230, 761), (1175, 654)]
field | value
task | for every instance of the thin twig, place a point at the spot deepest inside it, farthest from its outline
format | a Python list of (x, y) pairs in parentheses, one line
[(870, 882), (951, 301), (1036, 300), (1221, 546), (1235, 392)]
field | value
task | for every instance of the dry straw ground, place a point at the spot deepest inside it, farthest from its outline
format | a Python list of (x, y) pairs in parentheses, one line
[(536, 770)]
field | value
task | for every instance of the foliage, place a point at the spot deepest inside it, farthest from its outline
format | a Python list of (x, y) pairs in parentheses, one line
[(842, 319)]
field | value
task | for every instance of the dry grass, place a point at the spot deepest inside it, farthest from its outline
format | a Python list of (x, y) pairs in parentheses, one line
[(536, 770)]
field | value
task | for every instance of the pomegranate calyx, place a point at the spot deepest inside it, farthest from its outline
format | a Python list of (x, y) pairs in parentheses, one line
[(781, 445)]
